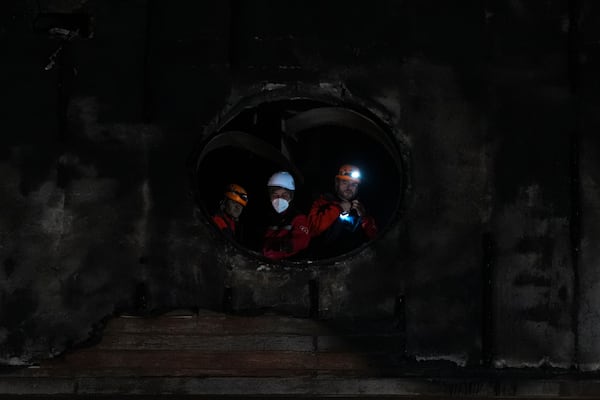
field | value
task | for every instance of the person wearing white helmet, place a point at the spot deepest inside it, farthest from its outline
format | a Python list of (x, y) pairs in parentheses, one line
[(339, 222), (287, 233)]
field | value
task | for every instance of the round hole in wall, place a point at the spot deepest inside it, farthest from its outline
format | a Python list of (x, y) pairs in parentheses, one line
[(311, 137)]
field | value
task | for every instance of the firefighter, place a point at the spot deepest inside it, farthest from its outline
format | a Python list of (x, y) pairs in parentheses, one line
[(287, 232), (339, 222)]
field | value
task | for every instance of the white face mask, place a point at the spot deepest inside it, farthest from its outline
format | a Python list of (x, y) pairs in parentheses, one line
[(280, 205)]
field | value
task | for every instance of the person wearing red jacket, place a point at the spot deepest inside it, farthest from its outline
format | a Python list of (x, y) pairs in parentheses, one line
[(339, 222), (287, 234), (230, 208)]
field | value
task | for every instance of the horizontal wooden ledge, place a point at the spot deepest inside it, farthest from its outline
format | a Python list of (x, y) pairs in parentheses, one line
[(222, 324), (178, 362), (206, 372), (254, 342)]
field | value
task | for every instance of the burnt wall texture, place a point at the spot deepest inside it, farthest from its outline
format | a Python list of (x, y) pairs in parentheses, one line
[(491, 258)]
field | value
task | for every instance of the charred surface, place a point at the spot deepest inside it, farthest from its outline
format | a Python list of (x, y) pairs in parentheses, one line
[(476, 123)]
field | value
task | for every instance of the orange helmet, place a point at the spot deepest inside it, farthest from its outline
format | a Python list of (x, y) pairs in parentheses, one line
[(349, 172), (237, 194)]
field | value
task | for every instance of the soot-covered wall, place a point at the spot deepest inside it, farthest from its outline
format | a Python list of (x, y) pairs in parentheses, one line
[(491, 253)]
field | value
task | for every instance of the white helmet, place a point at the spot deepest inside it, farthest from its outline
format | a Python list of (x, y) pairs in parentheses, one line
[(283, 179)]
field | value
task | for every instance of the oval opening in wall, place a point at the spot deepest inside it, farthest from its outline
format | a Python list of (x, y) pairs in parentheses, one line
[(311, 138)]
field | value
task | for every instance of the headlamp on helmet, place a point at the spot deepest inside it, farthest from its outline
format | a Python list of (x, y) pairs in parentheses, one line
[(349, 172)]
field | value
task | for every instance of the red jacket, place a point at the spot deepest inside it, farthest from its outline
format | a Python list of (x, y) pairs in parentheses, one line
[(326, 210), (332, 233), (287, 235), (225, 223)]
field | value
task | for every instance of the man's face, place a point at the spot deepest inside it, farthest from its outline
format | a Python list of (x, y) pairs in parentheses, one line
[(345, 189), (280, 193), (233, 209)]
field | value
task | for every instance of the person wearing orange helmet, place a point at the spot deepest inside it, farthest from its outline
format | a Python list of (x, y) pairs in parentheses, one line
[(339, 222), (234, 200), (287, 233)]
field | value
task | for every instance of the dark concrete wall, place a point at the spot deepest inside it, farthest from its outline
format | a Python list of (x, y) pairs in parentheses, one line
[(493, 105), (588, 124), (533, 126)]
